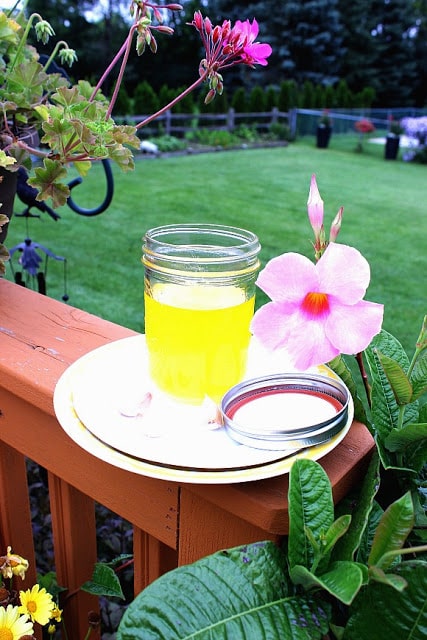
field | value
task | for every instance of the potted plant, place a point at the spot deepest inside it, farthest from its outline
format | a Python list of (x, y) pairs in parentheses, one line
[(74, 121), (324, 130), (392, 139), (363, 127)]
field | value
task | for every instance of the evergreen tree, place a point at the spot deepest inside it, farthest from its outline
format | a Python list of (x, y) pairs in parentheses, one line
[(394, 63), (288, 95), (257, 100), (380, 49), (145, 100)]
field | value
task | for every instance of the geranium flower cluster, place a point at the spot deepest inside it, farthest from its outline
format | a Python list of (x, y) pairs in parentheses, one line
[(76, 122), (227, 46), (317, 310), (20, 610)]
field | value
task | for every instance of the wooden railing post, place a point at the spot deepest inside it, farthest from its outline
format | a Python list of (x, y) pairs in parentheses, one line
[(74, 535), (15, 524), (231, 122)]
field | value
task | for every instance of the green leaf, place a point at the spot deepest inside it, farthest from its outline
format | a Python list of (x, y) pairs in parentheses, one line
[(343, 580), (360, 507), (385, 410), (47, 179), (383, 613), (397, 378), (104, 582), (409, 434), (50, 583), (419, 375), (341, 368), (411, 442), (392, 531), (422, 338), (236, 594), (397, 582), (310, 507), (335, 532)]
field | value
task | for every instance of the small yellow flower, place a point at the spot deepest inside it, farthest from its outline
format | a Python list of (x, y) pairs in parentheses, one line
[(13, 565), (56, 614), (51, 629), (13, 626), (36, 603)]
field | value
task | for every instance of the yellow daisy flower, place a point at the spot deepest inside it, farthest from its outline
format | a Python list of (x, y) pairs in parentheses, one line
[(13, 626), (37, 603)]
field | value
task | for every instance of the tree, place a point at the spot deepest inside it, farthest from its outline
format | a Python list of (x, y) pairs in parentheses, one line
[(394, 63)]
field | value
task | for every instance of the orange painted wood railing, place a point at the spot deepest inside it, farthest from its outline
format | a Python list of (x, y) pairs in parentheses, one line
[(173, 523)]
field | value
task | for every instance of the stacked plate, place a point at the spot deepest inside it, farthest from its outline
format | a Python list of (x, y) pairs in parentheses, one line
[(108, 405)]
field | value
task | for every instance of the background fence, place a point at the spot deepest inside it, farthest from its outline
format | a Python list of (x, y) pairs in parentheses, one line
[(301, 122)]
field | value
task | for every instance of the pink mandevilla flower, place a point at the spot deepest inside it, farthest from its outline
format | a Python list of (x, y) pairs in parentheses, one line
[(317, 310)]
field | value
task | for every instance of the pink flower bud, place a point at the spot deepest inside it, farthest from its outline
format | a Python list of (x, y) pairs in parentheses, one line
[(210, 96), (216, 35), (315, 207), (336, 225), (198, 20), (153, 44), (158, 15), (164, 29), (208, 26)]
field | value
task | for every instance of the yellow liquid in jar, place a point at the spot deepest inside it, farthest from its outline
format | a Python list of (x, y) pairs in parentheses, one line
[(197, 338)]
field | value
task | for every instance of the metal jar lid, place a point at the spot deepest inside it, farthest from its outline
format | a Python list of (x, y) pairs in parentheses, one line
[(285, 411)]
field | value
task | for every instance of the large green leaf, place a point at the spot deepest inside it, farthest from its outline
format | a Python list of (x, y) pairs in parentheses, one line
[(382, 613), (311, 508), (411, 441), (359, 506), (236, 594), (397, 378), (343, 580), (392, 531), (385, 410)]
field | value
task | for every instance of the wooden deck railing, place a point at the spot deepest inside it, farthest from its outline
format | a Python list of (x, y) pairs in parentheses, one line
[(173, 523)]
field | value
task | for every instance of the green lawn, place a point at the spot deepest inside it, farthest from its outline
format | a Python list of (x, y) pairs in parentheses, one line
[(385, 217)]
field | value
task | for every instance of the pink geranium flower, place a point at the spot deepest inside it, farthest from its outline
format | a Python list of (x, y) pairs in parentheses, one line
[(317, 310), (251, 52), (227, 46)]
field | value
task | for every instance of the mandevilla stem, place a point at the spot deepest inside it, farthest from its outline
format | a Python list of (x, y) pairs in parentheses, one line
[(364, 375)]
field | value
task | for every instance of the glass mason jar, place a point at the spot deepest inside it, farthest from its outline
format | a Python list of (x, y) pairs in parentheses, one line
[(199, 295)]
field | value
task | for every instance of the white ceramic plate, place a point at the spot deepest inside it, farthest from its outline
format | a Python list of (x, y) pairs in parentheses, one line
[(176, 443)]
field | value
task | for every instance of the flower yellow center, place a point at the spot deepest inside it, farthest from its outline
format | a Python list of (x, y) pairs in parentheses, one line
[(31, 606), (6, 634), (315, 303)]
